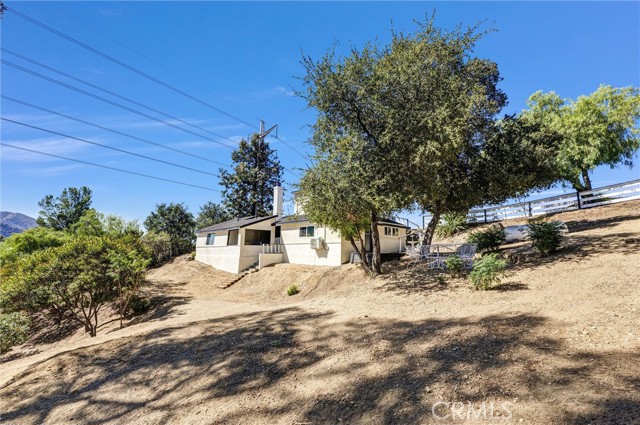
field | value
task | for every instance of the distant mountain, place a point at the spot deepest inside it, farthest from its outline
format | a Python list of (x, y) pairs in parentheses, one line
[(11, 223)]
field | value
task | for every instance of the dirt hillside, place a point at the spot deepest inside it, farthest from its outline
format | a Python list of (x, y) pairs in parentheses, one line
[(556, 343)]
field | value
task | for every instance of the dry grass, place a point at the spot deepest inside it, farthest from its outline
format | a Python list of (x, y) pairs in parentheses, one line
[(558, 342)]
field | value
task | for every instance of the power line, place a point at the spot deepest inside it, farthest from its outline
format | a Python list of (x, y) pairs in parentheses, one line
[(116, 104), (57, 71), (107, 36), (290, 146), (126, 66), (31, 105), (141, 73), (106, 146), (107, 167)]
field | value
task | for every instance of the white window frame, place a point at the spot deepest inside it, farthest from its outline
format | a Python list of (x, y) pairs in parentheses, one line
[(306, 231), (211, 239)]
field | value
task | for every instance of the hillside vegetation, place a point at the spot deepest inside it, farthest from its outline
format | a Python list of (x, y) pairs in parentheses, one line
[(556, 342)]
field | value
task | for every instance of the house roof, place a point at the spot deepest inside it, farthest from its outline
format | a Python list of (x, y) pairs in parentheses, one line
[(303, 218), (235, 223)]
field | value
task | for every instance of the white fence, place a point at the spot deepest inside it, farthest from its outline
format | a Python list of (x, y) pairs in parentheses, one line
[(572, 201)]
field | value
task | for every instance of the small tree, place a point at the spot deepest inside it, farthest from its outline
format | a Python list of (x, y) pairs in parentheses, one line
[(598, 129), (63, 211), (248, 189), (176, 221), (158, 245), (210, 214)]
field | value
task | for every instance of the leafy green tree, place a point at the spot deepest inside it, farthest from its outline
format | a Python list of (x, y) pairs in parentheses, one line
[(75, 280), (176, 221), (443, 101), (29, 241), (63, 211), (210, 214), (598, 129), (94, 223), (517, 158), (248, 189), (158, 245)]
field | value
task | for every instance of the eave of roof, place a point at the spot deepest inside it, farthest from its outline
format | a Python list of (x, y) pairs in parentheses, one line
[(235, 223)]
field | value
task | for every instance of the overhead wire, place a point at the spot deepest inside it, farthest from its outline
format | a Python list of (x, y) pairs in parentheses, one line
[(127, 66), (105, 146), (118, 132), (116, 104), (107, 167), (140, 72), (102, 89)]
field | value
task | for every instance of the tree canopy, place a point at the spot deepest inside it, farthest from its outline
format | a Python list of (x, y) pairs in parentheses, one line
[(415, 124), (248, 188), (210, 214), (597, 129), (63, 211), (176, 221)]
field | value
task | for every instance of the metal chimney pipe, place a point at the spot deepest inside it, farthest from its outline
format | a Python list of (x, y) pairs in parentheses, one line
[(278, 200)]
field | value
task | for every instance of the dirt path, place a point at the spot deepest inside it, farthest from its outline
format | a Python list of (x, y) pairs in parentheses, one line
[(557, 343)]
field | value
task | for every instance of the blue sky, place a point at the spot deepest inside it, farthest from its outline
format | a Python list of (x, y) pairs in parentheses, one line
[(243, 58)]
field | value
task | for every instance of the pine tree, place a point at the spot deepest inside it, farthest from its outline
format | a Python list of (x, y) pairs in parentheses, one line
[(248, 189)]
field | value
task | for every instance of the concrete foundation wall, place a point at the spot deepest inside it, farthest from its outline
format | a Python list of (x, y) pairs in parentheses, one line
[(265, 260)]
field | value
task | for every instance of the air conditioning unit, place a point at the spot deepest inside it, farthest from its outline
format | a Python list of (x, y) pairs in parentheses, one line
[(317, 243)]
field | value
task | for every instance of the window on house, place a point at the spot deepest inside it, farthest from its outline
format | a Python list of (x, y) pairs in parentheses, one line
[(307, 231), (391, 231), (211, 237), (232, 239)]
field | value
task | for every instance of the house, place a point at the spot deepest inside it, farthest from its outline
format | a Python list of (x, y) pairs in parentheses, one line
[(242, 243)]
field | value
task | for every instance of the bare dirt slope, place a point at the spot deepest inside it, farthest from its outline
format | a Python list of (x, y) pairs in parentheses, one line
[(557, 343)]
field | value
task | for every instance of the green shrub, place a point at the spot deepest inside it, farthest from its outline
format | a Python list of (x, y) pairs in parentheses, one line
[(139, 305), (63, 279), (487, 271), (292, 290), (489, 240), (545, 237), (28, 241), (451, 223), (14, 328), (455, 265), (158, 244)]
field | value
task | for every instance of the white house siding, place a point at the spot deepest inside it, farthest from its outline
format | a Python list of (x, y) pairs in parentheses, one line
[(297, 250), (347, 249), (234, 258), (225, 258), (391, 244)]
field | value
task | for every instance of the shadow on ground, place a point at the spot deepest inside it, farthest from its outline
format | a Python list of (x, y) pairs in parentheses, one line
[(294, 366)]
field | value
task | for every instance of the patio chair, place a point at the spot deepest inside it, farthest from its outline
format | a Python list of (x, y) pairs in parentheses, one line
[(466, 252), (431, 254)]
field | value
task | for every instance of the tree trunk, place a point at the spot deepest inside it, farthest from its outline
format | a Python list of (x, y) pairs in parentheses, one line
[(586, 179), (362, 254), (376, 259), (431, 227)]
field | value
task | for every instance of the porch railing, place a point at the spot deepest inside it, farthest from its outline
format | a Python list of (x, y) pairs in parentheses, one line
[(271, 249)]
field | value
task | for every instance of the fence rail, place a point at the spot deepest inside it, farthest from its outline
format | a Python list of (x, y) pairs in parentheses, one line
[(571, 201)]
